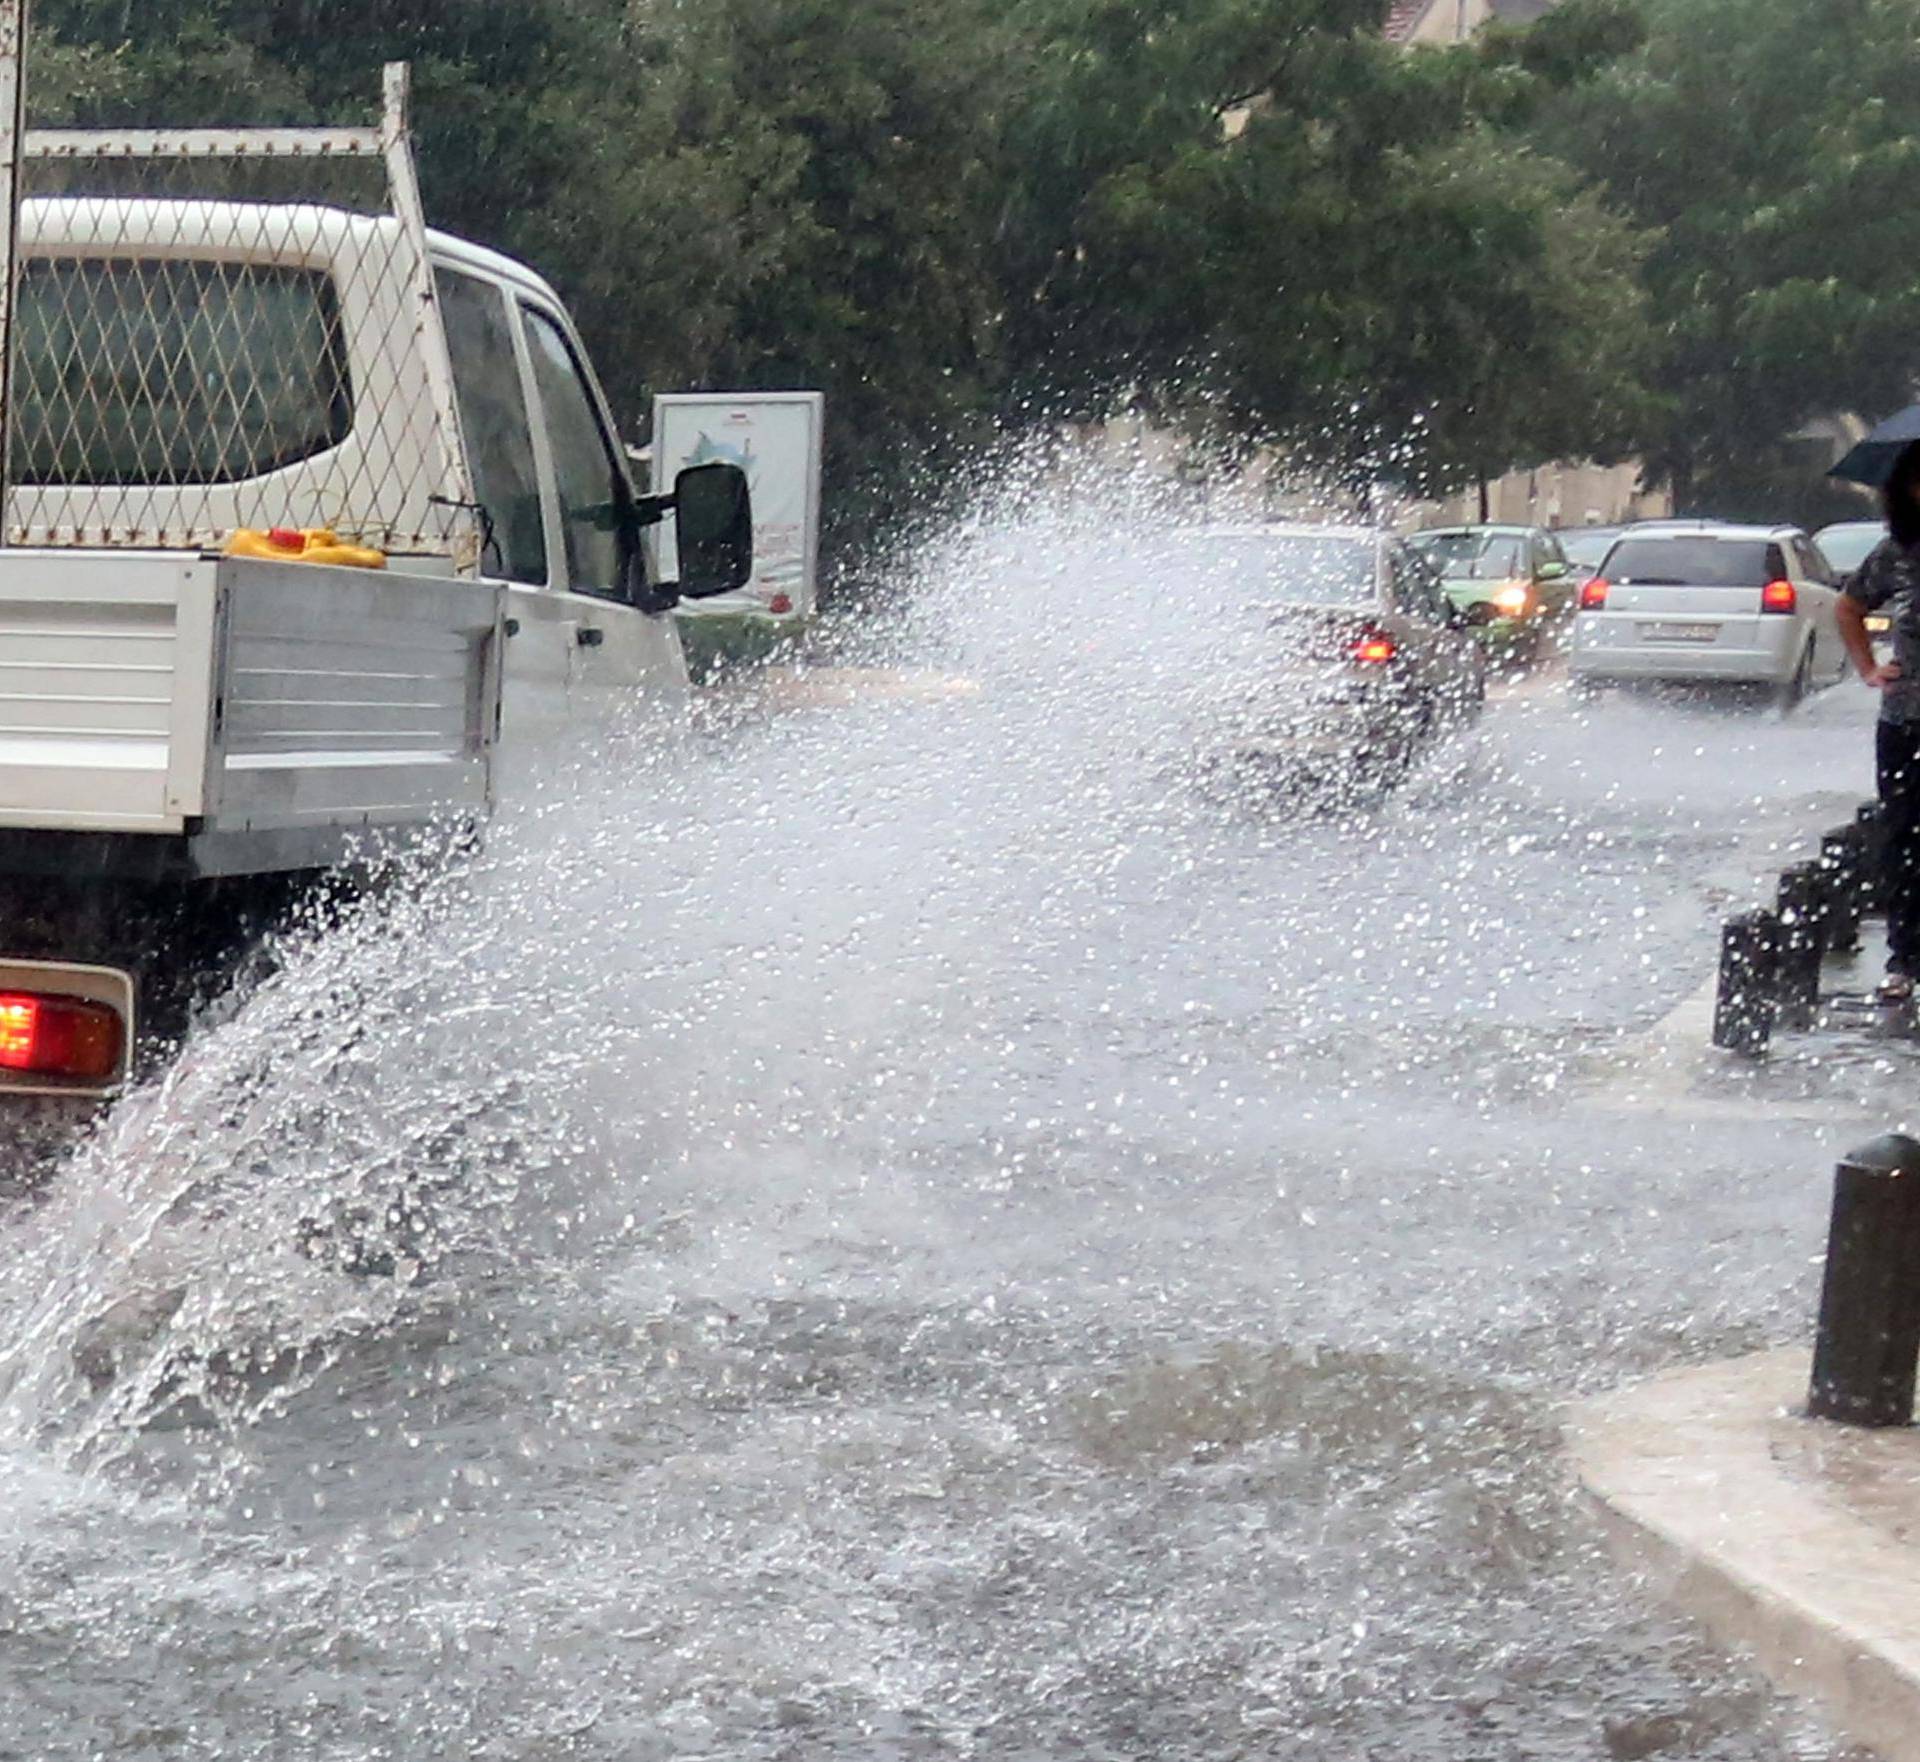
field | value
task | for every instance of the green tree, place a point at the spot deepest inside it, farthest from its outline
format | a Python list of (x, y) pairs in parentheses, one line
[(840, 159), (1266, 212), (956, 215), (1769, 150)]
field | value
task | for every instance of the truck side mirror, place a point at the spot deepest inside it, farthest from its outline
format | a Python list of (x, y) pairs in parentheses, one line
[(712, 530)]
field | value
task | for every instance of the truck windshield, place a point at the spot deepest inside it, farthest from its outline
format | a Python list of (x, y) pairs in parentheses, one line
[(173, 370)]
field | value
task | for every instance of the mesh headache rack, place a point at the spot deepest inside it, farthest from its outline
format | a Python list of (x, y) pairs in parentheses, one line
[(213, 329)]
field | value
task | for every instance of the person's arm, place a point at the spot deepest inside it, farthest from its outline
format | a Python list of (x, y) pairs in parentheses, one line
[(1851, 618), (1867, 589)]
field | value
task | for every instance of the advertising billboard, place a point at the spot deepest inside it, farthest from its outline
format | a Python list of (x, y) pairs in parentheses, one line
[(775, 438)]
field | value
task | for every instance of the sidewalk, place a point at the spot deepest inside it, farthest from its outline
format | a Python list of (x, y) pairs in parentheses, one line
[(1853, 1070), (1792, 1539)]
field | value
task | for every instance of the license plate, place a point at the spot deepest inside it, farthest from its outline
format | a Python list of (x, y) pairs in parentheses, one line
[(1679, 632)]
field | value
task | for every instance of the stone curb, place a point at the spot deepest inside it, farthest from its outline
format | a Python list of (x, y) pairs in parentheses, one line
[(1785, 1537)]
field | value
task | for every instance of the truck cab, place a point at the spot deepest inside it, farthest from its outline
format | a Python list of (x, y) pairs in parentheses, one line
[(584, 621)]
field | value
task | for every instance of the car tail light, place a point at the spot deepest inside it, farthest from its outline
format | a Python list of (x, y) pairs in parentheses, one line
[(781, 604), (1778, 596), (44, 1035), (1375, 648), (1593, 595)]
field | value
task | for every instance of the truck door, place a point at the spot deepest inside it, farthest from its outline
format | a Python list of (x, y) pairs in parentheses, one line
[(490, 382), (622, 655)]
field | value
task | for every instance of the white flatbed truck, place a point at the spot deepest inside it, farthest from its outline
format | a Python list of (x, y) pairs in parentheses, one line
[(193, 389)]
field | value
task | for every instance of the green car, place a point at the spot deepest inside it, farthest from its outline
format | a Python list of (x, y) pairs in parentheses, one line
[(1513, 582)]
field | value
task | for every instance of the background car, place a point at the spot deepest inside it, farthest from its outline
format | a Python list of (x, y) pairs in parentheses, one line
[(1513, 582), (1708, 601), (1846, 544), (1353, 658), (1586, 547)]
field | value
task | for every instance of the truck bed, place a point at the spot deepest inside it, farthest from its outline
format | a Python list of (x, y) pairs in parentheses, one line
[(168, 713)]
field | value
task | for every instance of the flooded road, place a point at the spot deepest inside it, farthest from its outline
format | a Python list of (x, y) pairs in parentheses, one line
[(909, 1228)]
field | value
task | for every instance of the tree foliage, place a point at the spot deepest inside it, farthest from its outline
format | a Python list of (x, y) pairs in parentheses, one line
[(1335, 243), (956, 214), (1769, 150)]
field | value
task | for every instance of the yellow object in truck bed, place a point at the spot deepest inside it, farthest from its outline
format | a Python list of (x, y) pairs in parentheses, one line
[(312, 544)]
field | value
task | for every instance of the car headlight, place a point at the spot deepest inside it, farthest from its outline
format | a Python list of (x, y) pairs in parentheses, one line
[(1511, 601)]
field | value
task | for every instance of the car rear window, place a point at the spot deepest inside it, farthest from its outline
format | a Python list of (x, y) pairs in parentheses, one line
[(1847, 547), (174, 370), (1474, 556), (1587, 547), (1693, 561)]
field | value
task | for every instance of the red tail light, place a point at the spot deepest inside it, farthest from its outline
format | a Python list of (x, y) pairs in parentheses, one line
[(1778, 596), (48, 1036), (1593, 595), (780, 604), (1375, 648)]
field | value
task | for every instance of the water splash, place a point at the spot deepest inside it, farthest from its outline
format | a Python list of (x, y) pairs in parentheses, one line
[(904, 1226)]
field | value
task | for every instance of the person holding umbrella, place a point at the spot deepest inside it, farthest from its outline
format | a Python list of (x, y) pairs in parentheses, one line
[(1889, 460)]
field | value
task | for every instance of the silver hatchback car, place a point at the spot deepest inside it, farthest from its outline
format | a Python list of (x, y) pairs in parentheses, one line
[(1707, 602)]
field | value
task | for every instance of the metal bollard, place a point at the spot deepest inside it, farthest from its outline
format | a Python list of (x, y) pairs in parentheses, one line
[(1873, 857), (1801, 906), (1868, 1341), (1840, 862), (1749, 968)]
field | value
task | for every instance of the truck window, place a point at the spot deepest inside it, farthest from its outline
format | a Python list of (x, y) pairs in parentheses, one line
[(152, 371), (493, 419), (591, 486)]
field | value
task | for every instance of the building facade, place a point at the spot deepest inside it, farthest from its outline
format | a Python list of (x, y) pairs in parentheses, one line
[(1437, 21)]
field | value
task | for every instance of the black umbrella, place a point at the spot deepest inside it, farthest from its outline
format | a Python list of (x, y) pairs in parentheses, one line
[(1873, 460)]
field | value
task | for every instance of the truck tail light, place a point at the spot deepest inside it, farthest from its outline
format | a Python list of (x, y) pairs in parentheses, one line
[(46, 1035), (1778, 596), (1593, 595)]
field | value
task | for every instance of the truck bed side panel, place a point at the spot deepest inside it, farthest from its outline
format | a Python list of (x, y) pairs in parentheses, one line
[(351, 697), (103, 709)]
